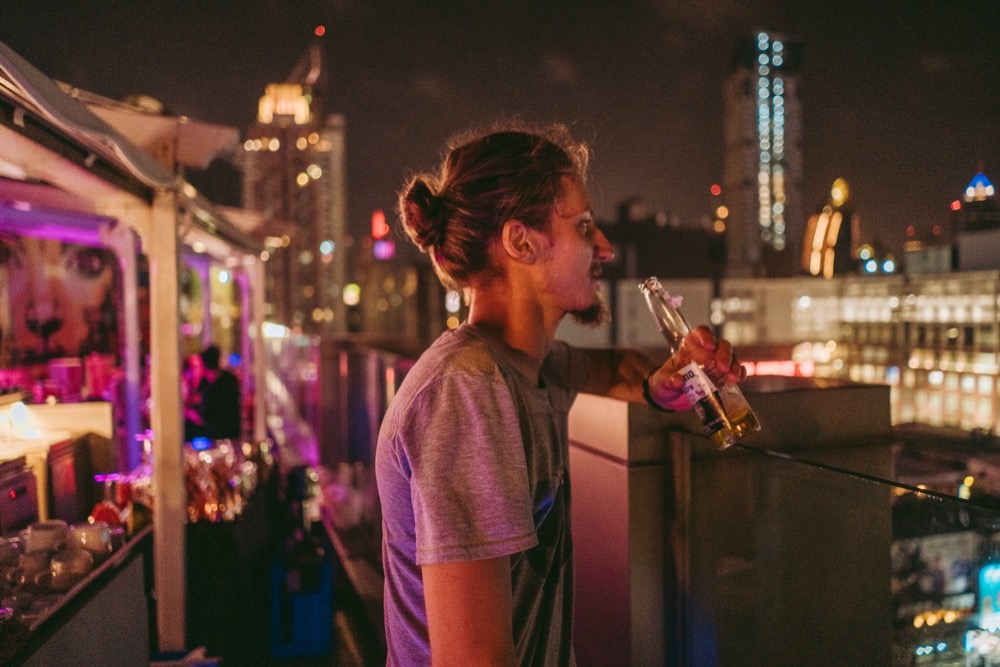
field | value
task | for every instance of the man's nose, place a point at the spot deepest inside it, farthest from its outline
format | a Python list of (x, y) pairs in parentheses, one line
[(603, 251)]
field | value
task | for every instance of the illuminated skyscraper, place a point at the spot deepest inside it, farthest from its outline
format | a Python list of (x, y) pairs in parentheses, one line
[(979, 208), (976, 226), (294, 171), (762, 177)]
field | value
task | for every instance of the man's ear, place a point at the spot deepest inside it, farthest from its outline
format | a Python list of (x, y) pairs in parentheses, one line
[(520, 242)]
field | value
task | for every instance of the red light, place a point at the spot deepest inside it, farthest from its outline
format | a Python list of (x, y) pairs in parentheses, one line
[(320, 30), (716, 190), (379, 227), (12, 494), (911, 230), (787, 368), (956, 205), (936, 230)]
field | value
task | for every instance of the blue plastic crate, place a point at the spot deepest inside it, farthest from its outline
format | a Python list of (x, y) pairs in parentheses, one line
[(301, 611)]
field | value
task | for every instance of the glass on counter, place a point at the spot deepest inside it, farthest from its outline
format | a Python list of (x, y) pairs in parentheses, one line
[(128, 501), (42, 564)]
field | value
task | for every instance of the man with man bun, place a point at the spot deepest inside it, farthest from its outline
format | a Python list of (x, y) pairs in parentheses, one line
[(472, 458)]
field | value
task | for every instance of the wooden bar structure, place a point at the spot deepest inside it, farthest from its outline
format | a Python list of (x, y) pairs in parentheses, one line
[(66, 170)]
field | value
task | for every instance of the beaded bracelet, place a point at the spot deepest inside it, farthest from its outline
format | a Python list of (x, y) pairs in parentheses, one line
[(649, 397)]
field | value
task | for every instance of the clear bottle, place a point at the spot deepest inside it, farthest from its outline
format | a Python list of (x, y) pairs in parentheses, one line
[(725, 414)]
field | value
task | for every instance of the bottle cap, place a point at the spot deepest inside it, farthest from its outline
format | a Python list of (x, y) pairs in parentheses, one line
[(652, 284)]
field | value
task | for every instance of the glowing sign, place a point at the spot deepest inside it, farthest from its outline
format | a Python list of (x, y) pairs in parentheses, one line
[(783, 367), (989, 587)]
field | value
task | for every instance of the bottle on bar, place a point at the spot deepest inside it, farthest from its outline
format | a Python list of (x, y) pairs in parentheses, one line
[(724, 412)]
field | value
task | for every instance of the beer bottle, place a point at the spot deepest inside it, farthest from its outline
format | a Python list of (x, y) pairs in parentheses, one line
[(725, 414)]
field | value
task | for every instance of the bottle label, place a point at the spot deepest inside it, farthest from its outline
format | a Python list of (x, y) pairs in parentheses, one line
[(696, 384), (702, 393)]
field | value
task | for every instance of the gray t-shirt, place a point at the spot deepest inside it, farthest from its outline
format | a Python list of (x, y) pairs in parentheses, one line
[(472, 463)]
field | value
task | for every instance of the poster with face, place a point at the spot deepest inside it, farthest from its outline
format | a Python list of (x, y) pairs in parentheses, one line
[(60, 300)]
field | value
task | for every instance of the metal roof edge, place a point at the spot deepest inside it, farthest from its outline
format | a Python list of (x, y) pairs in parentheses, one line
[(71, 117), (30, 89)]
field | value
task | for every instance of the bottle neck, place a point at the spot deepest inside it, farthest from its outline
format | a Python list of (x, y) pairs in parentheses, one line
[(672, 325)]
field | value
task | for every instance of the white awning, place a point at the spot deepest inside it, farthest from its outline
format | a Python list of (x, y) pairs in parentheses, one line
[(172, 140)]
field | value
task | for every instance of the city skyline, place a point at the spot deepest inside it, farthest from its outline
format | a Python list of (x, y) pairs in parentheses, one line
[(896, 98)]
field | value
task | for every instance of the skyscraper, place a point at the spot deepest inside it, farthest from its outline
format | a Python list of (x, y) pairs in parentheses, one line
[(294, 171), (762, 175), (979, 208), (976, 226)]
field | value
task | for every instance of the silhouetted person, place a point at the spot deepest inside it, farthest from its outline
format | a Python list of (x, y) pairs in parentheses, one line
[(221, 399)]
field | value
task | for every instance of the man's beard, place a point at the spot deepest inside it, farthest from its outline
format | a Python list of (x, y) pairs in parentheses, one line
[(593, 315)]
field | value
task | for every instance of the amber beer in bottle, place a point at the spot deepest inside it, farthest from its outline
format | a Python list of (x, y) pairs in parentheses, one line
[(725, 414)]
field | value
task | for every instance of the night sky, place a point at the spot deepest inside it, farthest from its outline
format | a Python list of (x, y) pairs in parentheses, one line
[(900, 98)]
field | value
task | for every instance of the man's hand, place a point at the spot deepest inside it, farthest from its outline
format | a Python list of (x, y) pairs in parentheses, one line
[(699, 346)]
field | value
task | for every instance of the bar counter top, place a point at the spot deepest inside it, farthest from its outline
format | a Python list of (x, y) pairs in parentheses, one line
[(24, 642)]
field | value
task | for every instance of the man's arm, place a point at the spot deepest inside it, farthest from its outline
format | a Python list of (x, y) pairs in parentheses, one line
[(469, 612), (620, 372)]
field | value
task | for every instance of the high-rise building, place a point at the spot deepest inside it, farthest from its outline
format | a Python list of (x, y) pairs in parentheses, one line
[(762, 175), (293, 161), (976, 226), (978, 209)]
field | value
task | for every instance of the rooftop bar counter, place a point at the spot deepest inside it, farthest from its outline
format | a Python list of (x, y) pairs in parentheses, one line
[(103, 619)]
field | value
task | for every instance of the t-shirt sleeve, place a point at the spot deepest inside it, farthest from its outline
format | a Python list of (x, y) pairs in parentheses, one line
[(469, 479)]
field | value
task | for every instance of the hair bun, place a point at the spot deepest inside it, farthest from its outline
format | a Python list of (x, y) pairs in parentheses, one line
[(422, 212)]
